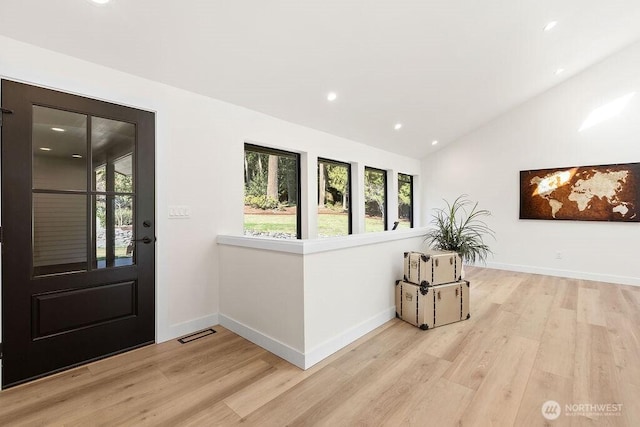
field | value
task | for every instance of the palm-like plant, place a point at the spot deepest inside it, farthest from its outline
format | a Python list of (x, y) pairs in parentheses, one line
[(458, 228)]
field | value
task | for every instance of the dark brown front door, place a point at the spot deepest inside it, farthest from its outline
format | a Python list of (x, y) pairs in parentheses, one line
[(78, 228)]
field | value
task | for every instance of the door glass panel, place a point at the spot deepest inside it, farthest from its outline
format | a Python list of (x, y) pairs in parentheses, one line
[(124, 174), (59, 144), (114, 231), (112, 146), (100, 178), (59, 233), (100, 231), (123, 236)]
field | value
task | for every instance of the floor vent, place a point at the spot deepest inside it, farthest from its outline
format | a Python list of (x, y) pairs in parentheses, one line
[(196, 336)]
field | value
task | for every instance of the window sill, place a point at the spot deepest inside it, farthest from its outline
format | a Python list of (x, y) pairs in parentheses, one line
[(312, 246)]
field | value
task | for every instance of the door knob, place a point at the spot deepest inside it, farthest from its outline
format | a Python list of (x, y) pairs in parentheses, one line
[(146, 240)]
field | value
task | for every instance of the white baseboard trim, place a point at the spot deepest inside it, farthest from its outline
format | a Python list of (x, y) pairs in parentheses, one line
[(320, 352), (609, 278), (188, 327), (332, 345), (276, 347)]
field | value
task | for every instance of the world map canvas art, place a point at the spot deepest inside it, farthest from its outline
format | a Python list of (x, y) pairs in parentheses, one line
[(585, 193)]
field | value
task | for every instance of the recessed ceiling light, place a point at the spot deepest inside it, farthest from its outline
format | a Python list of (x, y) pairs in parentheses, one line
[(398, 126), (58, 129), (332, 96), (100, 1), (559, 71), (76, 156), (434, 142), (550, 25), (45, 148)]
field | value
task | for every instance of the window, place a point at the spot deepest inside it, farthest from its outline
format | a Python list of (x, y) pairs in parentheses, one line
[(271, 193), (334, 202), (405, 201), (375, 199)]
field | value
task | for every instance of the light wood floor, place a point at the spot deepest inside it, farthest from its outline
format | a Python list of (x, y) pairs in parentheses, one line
[(530, 339)]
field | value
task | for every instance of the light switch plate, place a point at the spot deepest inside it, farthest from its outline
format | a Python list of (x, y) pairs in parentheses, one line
[(179, 212)]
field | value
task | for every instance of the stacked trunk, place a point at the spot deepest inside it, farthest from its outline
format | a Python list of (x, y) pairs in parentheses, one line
[(432, 292)]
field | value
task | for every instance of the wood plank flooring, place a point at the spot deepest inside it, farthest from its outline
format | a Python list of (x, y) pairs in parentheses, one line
[(530, 339)]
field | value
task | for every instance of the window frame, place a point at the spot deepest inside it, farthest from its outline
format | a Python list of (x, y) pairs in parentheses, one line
[(349, 186), (411, 199), (275, 151), (385, 214)]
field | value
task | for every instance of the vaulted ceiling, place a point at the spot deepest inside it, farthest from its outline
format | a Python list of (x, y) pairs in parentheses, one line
[(441, 68)]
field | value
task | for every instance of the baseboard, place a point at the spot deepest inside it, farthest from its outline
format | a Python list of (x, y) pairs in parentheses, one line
[(622, 280), (270, 344), (332, 345), (188, 327)]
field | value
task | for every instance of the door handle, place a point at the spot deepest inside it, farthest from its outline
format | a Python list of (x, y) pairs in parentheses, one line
[(146, 240)]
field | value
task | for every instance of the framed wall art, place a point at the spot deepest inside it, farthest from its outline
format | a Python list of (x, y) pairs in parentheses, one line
[(583, 193)]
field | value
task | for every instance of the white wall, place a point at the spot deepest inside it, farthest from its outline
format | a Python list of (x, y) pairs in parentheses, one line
[(304, 300), (199, 160), (543, 133), (349, 292), (263, 290)]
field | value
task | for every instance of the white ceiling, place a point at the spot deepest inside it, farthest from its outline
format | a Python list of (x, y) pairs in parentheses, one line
[(440, 67)]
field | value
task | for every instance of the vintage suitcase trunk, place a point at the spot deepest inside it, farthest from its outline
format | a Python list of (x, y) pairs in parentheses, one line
[(432, 268), (430, 306)]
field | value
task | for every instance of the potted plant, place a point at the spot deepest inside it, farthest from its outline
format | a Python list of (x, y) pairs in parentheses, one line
[(459, 227)]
